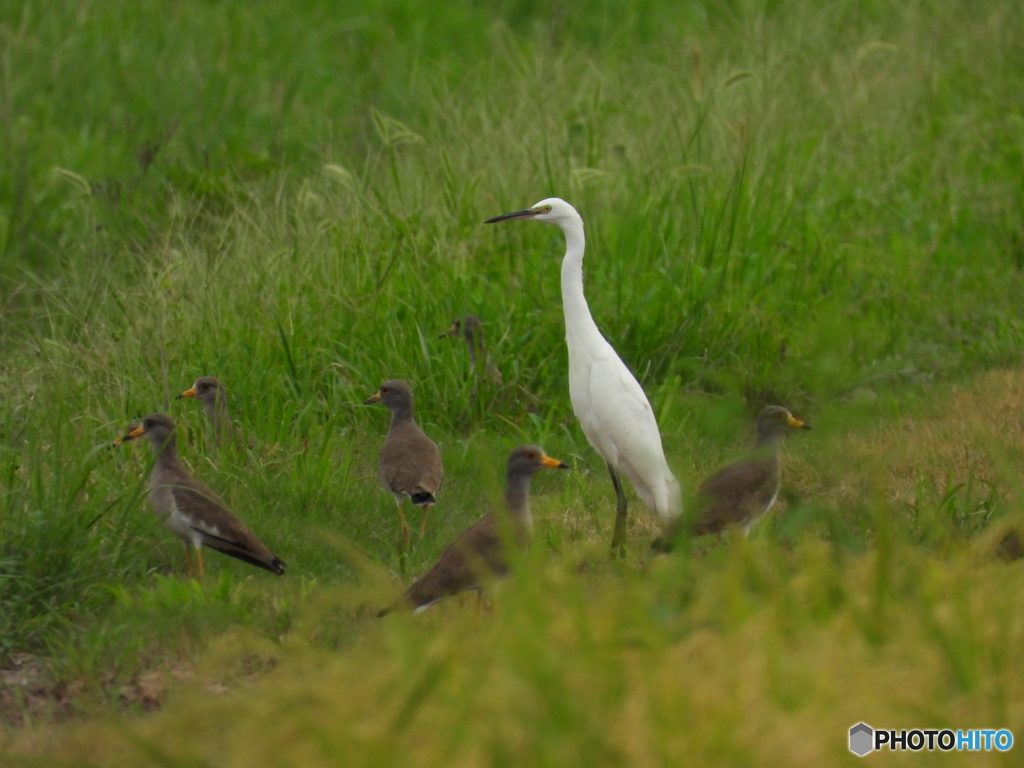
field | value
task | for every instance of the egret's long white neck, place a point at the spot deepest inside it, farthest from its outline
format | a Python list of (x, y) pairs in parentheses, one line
[(579, 324)]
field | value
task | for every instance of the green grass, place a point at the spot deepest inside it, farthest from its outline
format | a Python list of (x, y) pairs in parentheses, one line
[(819, 206)]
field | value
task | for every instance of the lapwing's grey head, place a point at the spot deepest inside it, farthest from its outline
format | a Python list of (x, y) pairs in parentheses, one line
[(394, 393), (206, 389), (776, 420), (527, 459), (156, 428)]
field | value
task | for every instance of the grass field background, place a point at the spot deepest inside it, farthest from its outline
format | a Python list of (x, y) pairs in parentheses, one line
[(816, 206)]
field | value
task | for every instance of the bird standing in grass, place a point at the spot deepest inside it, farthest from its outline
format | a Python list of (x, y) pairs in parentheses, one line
[(410, 462), (472, 330), (481, 551), (192, 511), (739, 493), (611, 405), (210, 392)]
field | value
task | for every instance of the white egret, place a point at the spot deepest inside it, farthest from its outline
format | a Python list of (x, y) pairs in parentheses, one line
[(611, 405)]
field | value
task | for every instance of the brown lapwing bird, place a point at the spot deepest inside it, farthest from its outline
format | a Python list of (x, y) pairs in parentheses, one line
[(472, 330), (481, 551), (410, 462), (739, 493), (210, 392), (192, 511)]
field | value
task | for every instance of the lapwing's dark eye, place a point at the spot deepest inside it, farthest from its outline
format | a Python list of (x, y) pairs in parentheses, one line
[(383, 390), (531, 455)]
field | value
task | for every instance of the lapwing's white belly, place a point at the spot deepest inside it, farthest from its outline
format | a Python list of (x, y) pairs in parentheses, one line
[(167, 510), (749, 525)]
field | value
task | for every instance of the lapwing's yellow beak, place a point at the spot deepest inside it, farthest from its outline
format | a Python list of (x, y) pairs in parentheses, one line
[(132, 434), (547, 461), (191, 392), (452, 331), (374, 398), (796, 423)]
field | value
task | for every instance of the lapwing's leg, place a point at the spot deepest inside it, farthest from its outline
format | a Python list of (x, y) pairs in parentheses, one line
[(405, 525), (484, 601), (199, 558), (423, 524)]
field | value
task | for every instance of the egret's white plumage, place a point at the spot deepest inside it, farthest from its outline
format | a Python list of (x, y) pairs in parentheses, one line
[(611, 405)]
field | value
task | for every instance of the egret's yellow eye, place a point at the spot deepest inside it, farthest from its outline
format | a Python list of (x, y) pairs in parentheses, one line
[(547, 209)]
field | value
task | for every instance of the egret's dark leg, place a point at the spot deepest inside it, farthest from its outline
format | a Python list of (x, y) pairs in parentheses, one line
[(621, 515)]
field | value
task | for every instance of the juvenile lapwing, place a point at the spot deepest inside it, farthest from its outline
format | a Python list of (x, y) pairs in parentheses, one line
[(472, 330), (410, 462), (210, 392), (739, 493), (192, 511), (481, 551)]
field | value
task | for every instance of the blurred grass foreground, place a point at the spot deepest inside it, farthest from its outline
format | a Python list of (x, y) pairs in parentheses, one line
[(820, 206)]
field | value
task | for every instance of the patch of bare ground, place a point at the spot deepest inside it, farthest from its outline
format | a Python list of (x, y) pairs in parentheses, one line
[(27, 692), (30, 692)]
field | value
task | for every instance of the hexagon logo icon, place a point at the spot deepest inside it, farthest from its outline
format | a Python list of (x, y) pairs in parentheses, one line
[(861, 739)]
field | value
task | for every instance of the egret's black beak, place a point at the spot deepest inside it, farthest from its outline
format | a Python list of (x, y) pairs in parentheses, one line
[(529, 213)]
